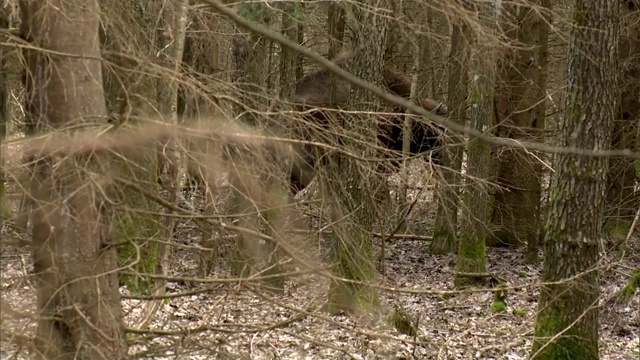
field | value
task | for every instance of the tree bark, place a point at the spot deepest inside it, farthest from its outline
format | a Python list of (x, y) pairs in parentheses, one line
[(336, 24), (622, 200), (480, 167), (202, 57), (288, 58), (4, 117), (448, 193), (130, 94), (201, 60), (539, 125), (33, 79), (174, 19), (347, 183), (520, 105), (74, 256), (566, 325), (421, 79), (250, 193)]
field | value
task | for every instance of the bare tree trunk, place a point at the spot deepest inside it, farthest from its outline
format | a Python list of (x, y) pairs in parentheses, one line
[(4, 118), (203, 56), (393, 33), (448, 193), (406, 145), (519, 102), (622, 200), (200, 103), (475, 204), (347, 186), (539, 125), (422, 77), (130, 94), (566, 325), (172, 43), (33, 78), (250, 54), (288, 58), (274, 202), (74, 256), (426, 73), (336, 25), (170, 40)]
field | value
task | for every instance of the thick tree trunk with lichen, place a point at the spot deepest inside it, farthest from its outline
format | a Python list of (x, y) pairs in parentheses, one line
[(448, 194), (520, 105), (476, 200), (74, 256), (347, 183), (566, 325)]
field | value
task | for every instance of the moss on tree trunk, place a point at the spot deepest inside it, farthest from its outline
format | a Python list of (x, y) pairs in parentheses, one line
[(473, 232), (476, 202), (352, 244), (448, 194), (566, 326)]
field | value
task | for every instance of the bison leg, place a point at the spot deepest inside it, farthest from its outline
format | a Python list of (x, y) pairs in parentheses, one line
[(302, 168)]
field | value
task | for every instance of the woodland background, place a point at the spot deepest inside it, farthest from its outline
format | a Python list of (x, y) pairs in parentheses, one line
[(146, 212)]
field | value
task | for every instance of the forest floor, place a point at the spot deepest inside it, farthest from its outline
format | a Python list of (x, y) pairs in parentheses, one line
[(221, 319)]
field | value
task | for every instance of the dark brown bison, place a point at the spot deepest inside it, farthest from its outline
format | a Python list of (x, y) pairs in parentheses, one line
[(313, 96)]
